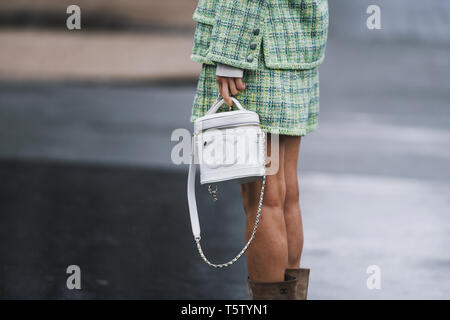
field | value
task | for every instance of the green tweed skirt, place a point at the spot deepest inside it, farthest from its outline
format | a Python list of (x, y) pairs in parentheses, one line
[(287, 101)]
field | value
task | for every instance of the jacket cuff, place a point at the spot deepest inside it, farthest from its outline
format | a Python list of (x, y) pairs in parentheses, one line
[(233, 62), (224, 70)]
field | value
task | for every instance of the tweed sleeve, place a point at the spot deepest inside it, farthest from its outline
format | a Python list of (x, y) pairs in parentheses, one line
[(237, 33), (202, 37)]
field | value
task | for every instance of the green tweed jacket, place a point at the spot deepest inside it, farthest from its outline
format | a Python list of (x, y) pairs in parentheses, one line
[(293, 33)]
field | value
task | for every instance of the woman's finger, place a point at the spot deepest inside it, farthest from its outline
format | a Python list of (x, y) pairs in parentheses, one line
[(240, 85), (225, 92), (219, 83), (232, 86)]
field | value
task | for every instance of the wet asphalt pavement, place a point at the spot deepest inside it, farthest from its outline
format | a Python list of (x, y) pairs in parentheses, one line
[(86, 179)]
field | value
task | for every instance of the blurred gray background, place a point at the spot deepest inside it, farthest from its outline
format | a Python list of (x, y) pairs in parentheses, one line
[(86, 178)]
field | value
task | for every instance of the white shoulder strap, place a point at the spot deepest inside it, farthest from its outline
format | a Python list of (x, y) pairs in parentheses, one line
[(195, 224)]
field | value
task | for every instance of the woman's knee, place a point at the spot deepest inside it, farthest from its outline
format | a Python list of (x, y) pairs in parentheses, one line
[(275, 198), (292, 187), (274, 194), (292, 196)]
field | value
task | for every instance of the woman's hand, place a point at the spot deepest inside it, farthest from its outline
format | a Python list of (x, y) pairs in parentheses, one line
[(229, 87)]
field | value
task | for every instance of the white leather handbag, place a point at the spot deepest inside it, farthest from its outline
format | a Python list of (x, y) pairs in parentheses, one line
[(227, 146)]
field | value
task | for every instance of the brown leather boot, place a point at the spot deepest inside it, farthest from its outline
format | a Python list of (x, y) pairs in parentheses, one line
[(302, 276), (284, 290)]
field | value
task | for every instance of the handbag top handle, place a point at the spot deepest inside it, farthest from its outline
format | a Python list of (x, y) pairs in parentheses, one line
[(216, 106)]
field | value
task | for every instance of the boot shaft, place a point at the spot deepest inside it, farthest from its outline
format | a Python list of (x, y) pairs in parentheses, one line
[(302, 276), (284, 290)]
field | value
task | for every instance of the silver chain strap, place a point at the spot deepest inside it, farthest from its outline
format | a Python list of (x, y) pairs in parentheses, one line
[(255, 227)]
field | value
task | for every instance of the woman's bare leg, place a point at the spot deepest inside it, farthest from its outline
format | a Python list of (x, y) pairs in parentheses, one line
[(268, 255), (292, 212)]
